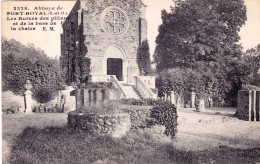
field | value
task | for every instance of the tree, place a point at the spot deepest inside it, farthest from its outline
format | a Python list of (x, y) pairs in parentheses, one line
[(252, 61), (184, 81), (200, 34), (21, 63), (143, 58), (199, 30)]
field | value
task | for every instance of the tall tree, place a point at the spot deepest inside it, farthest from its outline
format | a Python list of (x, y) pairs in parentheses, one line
[(203, 35), (199, 30), (252, 61), (143, 58)]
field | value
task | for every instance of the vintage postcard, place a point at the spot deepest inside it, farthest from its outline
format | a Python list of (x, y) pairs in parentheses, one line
[(130, 81)]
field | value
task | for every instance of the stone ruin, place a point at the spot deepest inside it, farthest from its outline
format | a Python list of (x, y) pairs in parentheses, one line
[(114, 124), (248, 107)]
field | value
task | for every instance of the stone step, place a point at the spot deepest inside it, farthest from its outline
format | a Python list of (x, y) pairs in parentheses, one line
[(130, 91)]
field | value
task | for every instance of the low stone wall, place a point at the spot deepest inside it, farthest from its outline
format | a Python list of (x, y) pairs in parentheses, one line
[(115, 125)]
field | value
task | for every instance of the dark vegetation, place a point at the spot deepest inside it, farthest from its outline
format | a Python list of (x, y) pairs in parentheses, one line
[(59, 145), (143, 58), (202, 36), (21, 63), (43, 95)]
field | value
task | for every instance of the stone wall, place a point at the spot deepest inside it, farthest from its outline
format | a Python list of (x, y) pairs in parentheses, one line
[(248, 107), (89, 33), (116, 125)]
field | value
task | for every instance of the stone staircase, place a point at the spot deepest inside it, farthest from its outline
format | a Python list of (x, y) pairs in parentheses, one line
[(130, 91)]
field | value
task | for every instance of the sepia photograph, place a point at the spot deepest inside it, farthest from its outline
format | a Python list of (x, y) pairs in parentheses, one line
[(130, 81)]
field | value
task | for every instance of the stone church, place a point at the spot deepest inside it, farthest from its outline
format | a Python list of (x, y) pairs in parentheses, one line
[(106, 34)]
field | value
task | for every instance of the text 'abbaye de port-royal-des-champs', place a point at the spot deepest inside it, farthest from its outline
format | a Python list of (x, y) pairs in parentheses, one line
[(39, 15)]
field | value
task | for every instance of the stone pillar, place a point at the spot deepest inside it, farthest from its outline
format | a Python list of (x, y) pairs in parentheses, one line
[(28, 102), (201, 106), (99, 97), (254, 104), (91, 97), (178, 102), (193, 99), (79, 103), (250, 105), (85, 98), (28, 97), (173, 98), (106, 95), (124, 71), (58, 100)]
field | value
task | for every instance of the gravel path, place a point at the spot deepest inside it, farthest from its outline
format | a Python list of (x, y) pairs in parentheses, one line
[(213, 128), (196, 130)]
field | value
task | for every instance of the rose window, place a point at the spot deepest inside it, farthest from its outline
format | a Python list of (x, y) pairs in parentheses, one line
[(114, 21)]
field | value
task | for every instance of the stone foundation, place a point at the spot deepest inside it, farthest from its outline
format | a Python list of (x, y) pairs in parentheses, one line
[(115, 125)]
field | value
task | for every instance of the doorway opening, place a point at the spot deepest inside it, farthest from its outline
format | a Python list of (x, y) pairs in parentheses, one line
[(114, 67)]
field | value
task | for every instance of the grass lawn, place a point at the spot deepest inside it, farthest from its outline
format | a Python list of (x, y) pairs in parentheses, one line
[(202, 138)]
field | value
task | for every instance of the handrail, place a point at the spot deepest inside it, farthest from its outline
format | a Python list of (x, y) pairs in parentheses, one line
[(143, 89), (115, 82)]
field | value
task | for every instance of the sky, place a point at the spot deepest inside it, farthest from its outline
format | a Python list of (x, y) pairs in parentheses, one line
[(49, 41)]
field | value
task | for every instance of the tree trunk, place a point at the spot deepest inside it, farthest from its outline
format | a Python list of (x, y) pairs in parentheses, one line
[(201, 105)]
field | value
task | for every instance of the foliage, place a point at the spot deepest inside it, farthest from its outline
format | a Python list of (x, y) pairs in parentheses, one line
[(252, 62), (143, 58), (21, 63), (199, 30), (163, 112), (184, 81), (43, 95), (203, 35), (80, 63)]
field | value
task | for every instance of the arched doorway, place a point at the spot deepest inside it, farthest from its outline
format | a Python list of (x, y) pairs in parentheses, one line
[(114, 60), (114, 67)]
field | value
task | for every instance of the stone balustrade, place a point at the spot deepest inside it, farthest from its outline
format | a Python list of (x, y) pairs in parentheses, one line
[(116, 84), (91, 97), (143, 89), (149, 81)]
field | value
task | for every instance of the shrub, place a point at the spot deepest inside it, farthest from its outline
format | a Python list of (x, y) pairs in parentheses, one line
[(165, 114), (43, 95)]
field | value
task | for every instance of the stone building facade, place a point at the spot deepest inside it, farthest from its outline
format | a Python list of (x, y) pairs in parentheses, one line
[(101, 38)]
